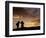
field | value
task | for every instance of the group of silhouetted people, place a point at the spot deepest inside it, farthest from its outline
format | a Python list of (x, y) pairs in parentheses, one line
[(22, 24)]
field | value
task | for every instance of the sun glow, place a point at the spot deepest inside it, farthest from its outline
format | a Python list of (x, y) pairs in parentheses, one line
[(33, 23), (18, 17)]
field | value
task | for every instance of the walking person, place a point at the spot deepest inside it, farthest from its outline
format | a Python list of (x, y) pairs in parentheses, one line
[(22, 24), (17, 24)]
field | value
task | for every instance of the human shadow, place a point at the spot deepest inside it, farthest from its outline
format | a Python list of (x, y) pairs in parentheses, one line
[(17, 24), (22, 24)]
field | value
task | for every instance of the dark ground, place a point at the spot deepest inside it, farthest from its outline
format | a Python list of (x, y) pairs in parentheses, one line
[(29, 28)]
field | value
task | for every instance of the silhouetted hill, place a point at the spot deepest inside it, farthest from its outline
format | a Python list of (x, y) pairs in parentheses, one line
[(29, 28)]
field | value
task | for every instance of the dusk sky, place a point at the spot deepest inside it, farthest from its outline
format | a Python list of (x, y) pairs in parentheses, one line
[(27, 15)]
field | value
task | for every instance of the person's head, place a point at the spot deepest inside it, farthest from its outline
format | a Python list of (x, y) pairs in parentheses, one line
[(18, 21), (21, 21)]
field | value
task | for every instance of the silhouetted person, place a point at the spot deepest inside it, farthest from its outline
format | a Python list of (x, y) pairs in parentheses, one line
[(17, 24), (22, 24)]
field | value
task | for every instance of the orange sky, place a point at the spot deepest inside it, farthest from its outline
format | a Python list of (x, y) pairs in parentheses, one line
[(30, 16)]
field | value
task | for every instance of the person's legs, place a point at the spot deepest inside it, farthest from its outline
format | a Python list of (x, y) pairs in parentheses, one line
[(22, 24), (17, 27)]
